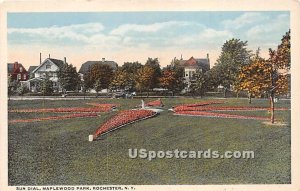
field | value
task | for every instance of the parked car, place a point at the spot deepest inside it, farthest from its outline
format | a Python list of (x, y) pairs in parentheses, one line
[(118, 94), (122, 94)]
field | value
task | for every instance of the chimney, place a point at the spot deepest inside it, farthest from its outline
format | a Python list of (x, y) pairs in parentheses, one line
[(103, 59), (15, 65), (65, 60), (49, 55), (40, 58), (208, 60)]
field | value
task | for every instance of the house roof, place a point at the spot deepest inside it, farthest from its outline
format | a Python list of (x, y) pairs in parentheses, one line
[(88, 64), (181, 62), (31, 68), (196, 63), (58, 63), (10, 67), (203, 61)]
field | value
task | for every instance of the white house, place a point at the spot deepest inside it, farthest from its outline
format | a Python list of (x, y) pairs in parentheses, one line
[(49, 68)]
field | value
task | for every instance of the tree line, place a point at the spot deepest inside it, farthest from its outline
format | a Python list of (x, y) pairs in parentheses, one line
[(237, 69)]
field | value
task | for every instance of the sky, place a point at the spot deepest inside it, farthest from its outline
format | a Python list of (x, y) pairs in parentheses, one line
[(135, 36)]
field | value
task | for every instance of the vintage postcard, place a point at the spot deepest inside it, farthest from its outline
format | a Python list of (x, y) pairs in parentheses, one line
[(128, 95)]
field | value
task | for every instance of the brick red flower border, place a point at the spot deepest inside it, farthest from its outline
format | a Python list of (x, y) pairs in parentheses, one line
[(123, 118), (219, 115), (202, 109), (104, 106), (53, 118), (155, 103), (61, 110)]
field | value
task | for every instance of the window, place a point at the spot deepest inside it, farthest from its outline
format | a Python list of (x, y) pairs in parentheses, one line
[(19, 76), (48, 66), (21, 69), (24, 76)]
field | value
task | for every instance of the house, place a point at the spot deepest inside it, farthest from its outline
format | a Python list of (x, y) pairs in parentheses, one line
[(17, 72), (49, 69), (191, 66), (85, 67), (30, 70)]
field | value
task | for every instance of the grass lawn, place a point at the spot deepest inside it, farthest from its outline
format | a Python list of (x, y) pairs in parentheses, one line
[(58, 152)]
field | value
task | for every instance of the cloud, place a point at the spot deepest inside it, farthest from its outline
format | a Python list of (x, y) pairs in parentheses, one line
[(150, 28), (245, 19), (160, 36), (78, 33), (275, 28)]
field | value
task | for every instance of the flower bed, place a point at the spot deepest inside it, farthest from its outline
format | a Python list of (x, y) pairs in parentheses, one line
[(53, 118), (192, 107), (220, 115), (203, 103), (104, 106), (62, 110), (224, 108), (123, 118), (156, 103), (202, 109)]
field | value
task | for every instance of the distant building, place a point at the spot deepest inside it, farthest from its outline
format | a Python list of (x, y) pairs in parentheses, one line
[(191, 66), (49, 69), (30, 70), (85, 67), (17, 72)]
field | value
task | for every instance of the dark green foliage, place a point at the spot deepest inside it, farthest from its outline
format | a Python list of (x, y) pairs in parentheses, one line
[(131, 67), (46, 87), (21, 89), (154, 64), (234, 55), (199, 84), (68, 78)]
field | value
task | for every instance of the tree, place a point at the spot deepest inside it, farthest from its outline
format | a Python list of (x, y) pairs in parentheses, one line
[(10, 86), (131, 67), (254, 77), (179, 75), (172, 77), (68, 78), (268, 76), (234, 55), (248, 78), (98, 86), (279, 63), (21, 89), (168, 79), (121, 80), (98, 72), (144, 78), (88, 81), (46, 87), (154, 64), (199, 83)]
